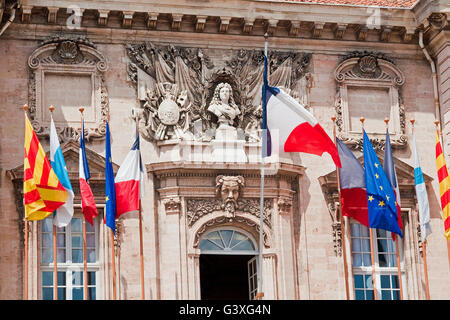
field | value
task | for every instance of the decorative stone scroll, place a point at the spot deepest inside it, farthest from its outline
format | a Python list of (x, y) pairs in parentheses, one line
[(196, 73), (68, 74), (365, 78), (197, 208)]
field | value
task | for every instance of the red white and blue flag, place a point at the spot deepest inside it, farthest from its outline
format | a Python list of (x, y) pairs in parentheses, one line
[(88, 206), (129, 181), (353, 186), (296, 127)]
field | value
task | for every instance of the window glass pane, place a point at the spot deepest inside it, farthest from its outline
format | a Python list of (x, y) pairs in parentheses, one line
[(386, 295), (369, 295), (359, 281), (357, 260), (394, 282), (215, 237), (208, 245), (89, 227), (226, 236), (367, 260), (47, 255), (77, 293), (91, 293), (47, 278), (385, 282), (359, 295), (382, 260), (62, 293), (366, 245), (61, 255), (47, 240), (91, 278), (77, 241), (244, 245), (364, 231), (61, 278), (90, 240), (77, 278), (356, 245), (47, 293), (355, 229), (368, 282), (90, 255), (76, 225), (47, 225), (77, 256), (60, 240)]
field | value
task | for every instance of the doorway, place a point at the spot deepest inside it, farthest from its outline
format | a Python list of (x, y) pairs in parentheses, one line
[(225, 277), (228, 265)]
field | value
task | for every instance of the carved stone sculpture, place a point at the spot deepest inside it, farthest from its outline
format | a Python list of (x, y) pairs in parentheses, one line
[(228, 188), (223, 105), (216, 91)]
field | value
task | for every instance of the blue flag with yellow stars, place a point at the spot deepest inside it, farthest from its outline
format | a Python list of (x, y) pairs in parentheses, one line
[(110, 192), (381, 200)]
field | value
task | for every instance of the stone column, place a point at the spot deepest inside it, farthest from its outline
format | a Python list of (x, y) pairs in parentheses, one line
[(171, 275), (287, 273)]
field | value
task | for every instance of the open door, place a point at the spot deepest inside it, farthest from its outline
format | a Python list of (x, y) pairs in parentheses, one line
[(252, 277)]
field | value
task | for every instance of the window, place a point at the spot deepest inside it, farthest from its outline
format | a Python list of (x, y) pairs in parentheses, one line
[(227, 240), (69, 244), (385, 260)]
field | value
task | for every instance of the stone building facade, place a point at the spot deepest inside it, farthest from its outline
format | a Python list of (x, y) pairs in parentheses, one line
[(170, 67)]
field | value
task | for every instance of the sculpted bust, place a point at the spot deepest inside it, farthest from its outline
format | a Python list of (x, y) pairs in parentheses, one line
[(223, 105)]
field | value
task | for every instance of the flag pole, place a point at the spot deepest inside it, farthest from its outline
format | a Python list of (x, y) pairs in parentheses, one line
[(375, 295), (55, 254), (424, 244), (85, 296), (113, 253), (25, 109), (141, 242), (443, 154), (341, 218), (260, 293), (399, 270)]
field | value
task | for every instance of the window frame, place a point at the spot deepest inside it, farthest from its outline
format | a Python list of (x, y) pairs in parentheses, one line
[(68, 267), (380, 271)]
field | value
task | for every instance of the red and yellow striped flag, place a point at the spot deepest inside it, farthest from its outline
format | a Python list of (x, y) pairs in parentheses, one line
[(42, 191), (444, 186)]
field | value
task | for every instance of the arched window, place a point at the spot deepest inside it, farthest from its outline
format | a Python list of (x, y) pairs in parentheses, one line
[(223, 241)]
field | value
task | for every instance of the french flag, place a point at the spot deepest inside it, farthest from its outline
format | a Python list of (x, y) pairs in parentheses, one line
[(297, 129), (88, 206), (129, 181), (353, 186)]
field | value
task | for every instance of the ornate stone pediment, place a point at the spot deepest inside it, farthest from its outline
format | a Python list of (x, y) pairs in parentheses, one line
[(196, 73), (68, 74), (369, 85)]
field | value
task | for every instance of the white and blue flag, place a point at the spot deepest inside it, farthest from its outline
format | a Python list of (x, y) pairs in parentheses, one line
[(422, 197), (64, 213)]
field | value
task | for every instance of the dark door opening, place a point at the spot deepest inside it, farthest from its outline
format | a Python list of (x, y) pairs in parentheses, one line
[(224, 277)]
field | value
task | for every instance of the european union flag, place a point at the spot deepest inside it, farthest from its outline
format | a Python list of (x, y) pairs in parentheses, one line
[(110, 192), (381, 200)]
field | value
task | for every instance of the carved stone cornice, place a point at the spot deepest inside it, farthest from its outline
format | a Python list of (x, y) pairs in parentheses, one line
[(398, 19)]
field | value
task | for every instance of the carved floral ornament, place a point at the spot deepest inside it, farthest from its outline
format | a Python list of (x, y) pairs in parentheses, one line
[(69, 61), (370, 71), (177, 85)]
